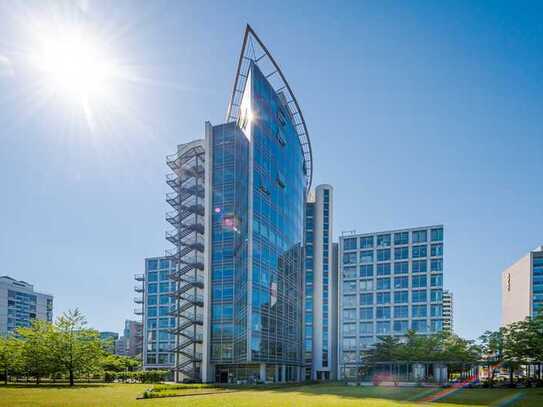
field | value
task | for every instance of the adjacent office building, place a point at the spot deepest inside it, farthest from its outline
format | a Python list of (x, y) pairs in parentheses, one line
[(131, 342), (448, 311), (522, 288), (20, 304), (390, 282), (320, 305), (239, 198), (155, 305)]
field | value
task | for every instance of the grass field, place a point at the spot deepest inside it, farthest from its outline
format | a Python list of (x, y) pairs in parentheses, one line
[(320, 395)]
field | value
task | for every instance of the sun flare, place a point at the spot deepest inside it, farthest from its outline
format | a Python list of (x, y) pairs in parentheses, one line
[(74, 64)]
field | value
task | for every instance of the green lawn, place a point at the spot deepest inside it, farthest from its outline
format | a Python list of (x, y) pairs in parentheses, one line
[(293, 396)]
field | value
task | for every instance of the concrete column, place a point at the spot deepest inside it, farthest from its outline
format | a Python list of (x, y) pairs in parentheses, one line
[(283, 373), (263, 372)]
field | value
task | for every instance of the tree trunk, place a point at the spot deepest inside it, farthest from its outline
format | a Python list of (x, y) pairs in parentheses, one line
[(71, 377), (6, 376), (511, 374)]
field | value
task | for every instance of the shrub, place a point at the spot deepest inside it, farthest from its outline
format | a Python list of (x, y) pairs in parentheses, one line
[(147, 376)]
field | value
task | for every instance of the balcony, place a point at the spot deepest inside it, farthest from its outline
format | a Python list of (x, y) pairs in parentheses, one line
[(138, 300), (138, 288), (139, 277), (138, 311)]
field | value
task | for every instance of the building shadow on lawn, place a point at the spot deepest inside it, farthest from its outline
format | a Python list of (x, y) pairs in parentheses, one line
[(51, 386)]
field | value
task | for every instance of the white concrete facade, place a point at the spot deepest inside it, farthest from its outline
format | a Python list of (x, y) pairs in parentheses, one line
[(518, 288)]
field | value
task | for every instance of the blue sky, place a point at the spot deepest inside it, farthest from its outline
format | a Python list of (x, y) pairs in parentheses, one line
[(419, 113)]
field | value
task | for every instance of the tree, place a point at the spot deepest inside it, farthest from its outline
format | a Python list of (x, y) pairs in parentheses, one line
[(78, 349), (37, 342), (117, 363), (10, 356)]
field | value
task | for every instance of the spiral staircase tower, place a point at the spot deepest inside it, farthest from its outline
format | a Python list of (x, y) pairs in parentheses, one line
[(187, 236)]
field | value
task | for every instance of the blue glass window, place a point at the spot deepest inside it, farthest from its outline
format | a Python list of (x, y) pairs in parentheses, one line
[(436, 250), (437, 235), (401, 311), (382, 312), (366, 242), (366, 313), (419, 251), (436, 265), (383, 254), (419, 296), (401, 282), (350, 244), (383, 283), (418, 281), (401, 253), (366, 256), (419, 311), (366, 299), (383, 269), (419, 236), (401, 267), (401, 238), (366, 270), (401, 297)]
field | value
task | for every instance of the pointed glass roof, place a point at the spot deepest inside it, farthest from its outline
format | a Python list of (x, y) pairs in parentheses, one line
[(254, 50)]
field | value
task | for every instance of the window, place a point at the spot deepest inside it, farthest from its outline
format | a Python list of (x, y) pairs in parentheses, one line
[(152, 300), (349, 329), (418, 281), (436, 280), (383, 269), (419, 311), (349, 286), (436, 310), (383, 254), (401, 238), (383, 328), (436, 295), (419, 251), (349, 244), (401, 311), (365, 341), (383, 298), (349, 343), (401, 253), (366, 270), (366, 242), (366, 285), (383, 283), (436, 265), (419, 266), (419, 325), (401, 267), (152, 264), (366, 328), (401, 326), (436, 250), (152, 276), (437, 235), (383, 240), (382, 313), (419, 236), (349, 272), (437, 325), (349, 258), (401, 282), (366, 299), (349, 314), (349, 301), (366, 256), (151, 324), (418, 296), (152, 288), (401, 297), (366, 313)]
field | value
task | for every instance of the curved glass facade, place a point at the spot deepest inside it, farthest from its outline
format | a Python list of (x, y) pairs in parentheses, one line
[(257, 206)]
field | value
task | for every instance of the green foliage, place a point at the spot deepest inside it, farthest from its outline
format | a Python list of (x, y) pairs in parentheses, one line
[(117, 363), (77, 349), (10, 356), (442, 347), (147, 376)]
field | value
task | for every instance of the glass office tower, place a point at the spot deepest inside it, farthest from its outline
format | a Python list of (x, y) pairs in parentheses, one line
[(259, 173)]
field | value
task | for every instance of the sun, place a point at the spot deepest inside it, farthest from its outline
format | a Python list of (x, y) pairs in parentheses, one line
[(74, 64)]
